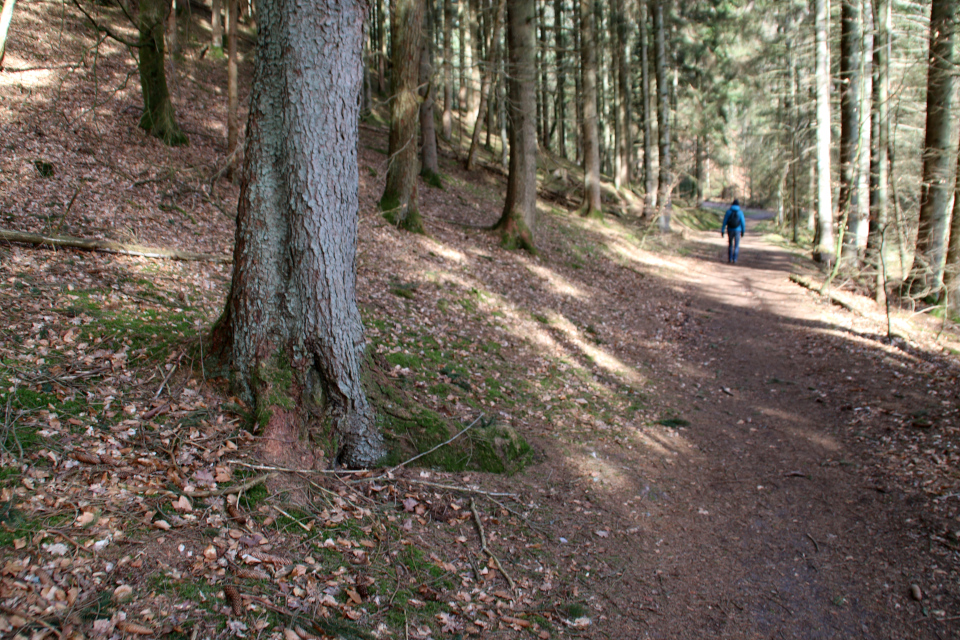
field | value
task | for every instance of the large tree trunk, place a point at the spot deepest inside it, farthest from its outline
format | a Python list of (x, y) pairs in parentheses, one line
[(625, 102), (665, 186), (590, 134), (158, 117), (399, 202), (448, 20), (847, 200), (860, 221), (233, 88), (951, 284), (488, 78), (823, 250), (879, 159), (926, 276), (291, 328), (428, 130), (649, 184), (518, 221)]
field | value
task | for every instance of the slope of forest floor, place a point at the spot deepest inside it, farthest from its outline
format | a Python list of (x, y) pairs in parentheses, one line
[(717, 451)]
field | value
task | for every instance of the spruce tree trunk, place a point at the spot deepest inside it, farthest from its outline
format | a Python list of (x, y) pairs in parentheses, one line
[(847, 200), (485, 87), (561, 97), (233, 89), (879, 158), (518, 221), (430, 169), (590, 135), (665, 186), (216, 26), (158, 116), (472, 46), (6, 16), (649, 183), (544, 82), (926, 276), (625, 102), (448, 20), (951, 275), (399, 202), (860, 228), (291, 328), (823, 250)]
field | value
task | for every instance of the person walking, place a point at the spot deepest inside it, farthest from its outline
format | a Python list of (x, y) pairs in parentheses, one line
[(734, 224)]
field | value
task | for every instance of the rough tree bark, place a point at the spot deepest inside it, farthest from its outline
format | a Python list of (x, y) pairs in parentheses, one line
[(291, 329), (448, 20), (592, 206), (216, 27), (625, 102), (649, 184), (823, 246), (399, 203), (665, 181), (430, 169), (518, 221), (879, 159), (560, 102), (847, 200), (233, 95), (926, 276), (158, 116)]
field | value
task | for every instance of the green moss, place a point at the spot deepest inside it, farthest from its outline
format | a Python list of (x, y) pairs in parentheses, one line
[(400, 215), (433, 179), (405, 360)]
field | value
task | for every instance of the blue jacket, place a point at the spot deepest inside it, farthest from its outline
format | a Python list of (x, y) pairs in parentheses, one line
[(734, 221)]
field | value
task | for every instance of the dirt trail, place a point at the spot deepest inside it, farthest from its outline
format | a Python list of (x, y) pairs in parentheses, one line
[(765, 517)]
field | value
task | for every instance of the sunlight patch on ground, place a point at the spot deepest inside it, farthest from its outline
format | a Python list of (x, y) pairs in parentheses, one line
[(442, 250), (594, 469), (557, 283), (601, 357)]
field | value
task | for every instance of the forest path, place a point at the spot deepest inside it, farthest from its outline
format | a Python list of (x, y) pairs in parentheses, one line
[(768, 518)]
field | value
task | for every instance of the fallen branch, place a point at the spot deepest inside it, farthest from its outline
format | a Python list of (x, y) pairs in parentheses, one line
[(235, 488), (108, 246), (442, 444), (832, 297), (483, 545)]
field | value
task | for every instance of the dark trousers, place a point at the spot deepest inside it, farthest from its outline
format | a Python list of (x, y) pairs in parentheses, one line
[(733, 249)]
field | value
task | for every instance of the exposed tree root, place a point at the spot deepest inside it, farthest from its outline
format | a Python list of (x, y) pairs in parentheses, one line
[(108, 246)]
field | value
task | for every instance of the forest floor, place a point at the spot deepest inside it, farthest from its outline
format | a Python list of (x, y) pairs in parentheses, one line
[(718, 452)]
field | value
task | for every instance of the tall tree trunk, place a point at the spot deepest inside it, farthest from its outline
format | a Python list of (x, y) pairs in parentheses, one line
[(665, 186), (625, 102), (518, 221), (291, 328), (233, 96), (462, 89), (399, 203), (173, 42), (590, 133), (879, 157), (649, 183), (544, 82), (502, 115), (158, 116), (488, 78), (216, 26), (384, 50), (860, 228), (430, 169), (472, 46), (847, 201), (561, 100), (578, 82), (823, 250), (926, 276), (951, 275), (448, 20)]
